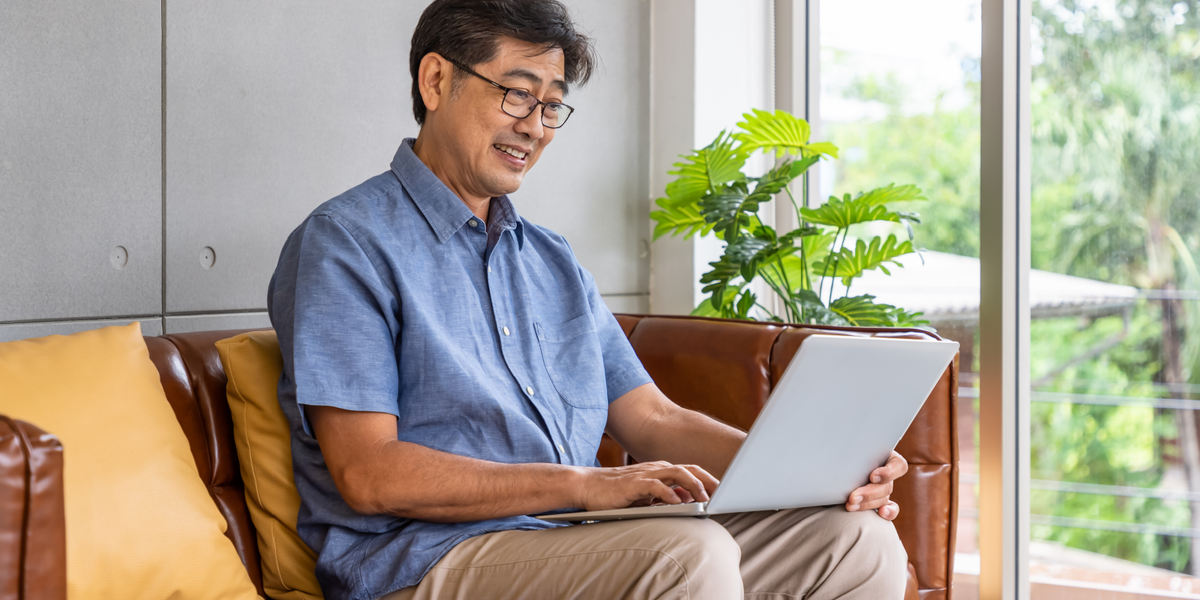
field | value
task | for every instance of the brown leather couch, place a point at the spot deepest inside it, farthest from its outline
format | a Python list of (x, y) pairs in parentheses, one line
[(723, 368)]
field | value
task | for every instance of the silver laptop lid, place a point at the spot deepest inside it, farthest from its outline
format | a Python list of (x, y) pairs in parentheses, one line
[(837, 412)]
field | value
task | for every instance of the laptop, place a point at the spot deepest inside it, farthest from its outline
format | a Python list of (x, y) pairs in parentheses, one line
[(838, 411)]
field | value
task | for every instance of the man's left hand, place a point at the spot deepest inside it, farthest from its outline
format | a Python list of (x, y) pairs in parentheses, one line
[(877, 494)]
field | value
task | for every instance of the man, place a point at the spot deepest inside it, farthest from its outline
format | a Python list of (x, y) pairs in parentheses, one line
[(449, 368)]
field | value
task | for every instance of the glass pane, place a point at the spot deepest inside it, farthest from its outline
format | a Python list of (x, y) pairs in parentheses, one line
[(900, 98), (1115, 297)]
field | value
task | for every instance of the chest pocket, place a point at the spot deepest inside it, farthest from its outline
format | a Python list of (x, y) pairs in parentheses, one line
[(572, 355)]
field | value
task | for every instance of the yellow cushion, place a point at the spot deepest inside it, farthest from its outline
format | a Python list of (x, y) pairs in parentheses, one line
[(253, 364), (140, 523)]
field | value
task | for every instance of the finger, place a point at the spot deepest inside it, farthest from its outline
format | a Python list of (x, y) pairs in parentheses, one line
[(895, 468), (872, 491), (678, 475), (684, 495), (889, 511), (874, 504), (706, 478), (663, 492)]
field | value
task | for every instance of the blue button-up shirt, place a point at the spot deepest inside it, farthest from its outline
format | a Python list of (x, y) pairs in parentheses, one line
[(394, 298)]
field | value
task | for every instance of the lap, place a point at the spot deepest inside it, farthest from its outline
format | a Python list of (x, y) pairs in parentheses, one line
[(646, 558), (787, 552)]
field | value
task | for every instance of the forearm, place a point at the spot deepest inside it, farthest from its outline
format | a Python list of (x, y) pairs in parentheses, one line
[(413, 481), (683, 436)]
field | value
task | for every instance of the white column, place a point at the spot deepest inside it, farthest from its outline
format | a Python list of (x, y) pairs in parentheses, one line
[(711, 61), (798, 83), (1004, 306), (672, 132)]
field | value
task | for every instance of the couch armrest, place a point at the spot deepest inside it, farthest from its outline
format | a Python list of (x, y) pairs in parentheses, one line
[(33, 541)]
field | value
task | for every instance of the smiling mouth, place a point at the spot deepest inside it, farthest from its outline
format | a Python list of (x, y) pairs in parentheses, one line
[(510, 151)]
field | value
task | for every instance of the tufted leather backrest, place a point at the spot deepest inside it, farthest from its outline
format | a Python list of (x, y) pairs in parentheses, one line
[(723, 368), (192, 377)]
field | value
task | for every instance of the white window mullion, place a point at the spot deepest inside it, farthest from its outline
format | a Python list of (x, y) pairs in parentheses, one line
[(1004, 307)]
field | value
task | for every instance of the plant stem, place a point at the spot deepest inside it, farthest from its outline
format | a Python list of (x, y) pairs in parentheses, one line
[(837, 259), (825, 271), (793, 311), (766, 310), (804, 192), (805, 280), (776, 289)]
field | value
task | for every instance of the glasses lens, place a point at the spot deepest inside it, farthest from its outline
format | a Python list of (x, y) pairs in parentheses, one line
[(554, 115), (519, 104)]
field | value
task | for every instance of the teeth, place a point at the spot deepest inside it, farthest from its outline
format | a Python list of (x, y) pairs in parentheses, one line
[(512, 151)]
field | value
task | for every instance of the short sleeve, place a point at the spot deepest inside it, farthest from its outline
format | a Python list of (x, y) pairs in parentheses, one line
[(339, 338), (623, 371)]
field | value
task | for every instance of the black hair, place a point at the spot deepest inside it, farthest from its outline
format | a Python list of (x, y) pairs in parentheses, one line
[(469, 32)]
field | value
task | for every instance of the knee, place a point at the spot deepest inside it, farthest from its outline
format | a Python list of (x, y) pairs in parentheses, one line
[(876, 542), (708, 556), (700, 544)]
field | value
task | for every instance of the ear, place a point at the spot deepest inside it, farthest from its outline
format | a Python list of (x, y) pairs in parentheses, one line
[(433, 79)]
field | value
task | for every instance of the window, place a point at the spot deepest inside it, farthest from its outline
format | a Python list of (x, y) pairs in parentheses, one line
[(900, 97), (1115, 296)]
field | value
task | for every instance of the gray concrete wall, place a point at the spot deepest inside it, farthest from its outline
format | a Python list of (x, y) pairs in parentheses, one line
[(137, 138)]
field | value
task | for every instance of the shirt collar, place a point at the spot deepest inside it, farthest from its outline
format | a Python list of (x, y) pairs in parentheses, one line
[(505, 216), (443, 209)]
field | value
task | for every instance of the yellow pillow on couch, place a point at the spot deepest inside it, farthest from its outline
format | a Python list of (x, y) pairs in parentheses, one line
[(140, 522), (253, 364)]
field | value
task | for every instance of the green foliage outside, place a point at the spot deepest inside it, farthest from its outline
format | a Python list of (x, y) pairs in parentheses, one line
[(1116, 198), (1109, 445)]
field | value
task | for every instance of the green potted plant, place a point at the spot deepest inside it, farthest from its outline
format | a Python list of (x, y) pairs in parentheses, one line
[(711, 194)]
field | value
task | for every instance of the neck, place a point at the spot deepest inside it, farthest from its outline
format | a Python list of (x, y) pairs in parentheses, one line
[(443, 167)]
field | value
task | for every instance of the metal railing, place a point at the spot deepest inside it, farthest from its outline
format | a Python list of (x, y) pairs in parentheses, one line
[(1101, 489)]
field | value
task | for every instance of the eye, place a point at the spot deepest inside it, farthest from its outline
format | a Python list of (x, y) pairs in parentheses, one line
[(520, 96)]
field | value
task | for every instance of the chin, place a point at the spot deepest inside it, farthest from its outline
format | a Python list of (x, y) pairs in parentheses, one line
[(506, 185)]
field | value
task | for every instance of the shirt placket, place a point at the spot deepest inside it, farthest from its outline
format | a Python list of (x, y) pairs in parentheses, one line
[(499, 273)]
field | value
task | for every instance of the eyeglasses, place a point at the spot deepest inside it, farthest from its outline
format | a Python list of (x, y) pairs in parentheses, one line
[(521, 104)]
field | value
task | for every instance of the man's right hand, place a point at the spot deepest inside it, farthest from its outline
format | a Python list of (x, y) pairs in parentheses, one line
[(619, 487)]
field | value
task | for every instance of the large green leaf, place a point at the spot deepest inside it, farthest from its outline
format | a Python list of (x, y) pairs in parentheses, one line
[(729, 267), (780, 132), (818, 246), (815, 311), (732, 209), (863, 311), (729, 209), (685, 219), (848, 264), (705, 170), (844, 212), (726, 308), (892, 193)]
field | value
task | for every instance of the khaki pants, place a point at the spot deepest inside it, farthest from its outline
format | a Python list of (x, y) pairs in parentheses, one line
[(811, 553)]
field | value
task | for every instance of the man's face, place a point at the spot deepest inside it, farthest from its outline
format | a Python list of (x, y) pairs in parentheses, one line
[(493, 150)]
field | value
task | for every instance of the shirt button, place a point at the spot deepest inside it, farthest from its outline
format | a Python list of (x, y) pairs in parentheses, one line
[(529, 390), (489, 268), (472, 222), (561, 449), (507, 332)]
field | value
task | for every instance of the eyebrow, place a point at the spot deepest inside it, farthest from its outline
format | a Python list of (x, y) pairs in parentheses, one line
[(531, 77)]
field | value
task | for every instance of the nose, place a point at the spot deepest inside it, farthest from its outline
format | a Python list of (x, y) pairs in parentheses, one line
[(531, 126)]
